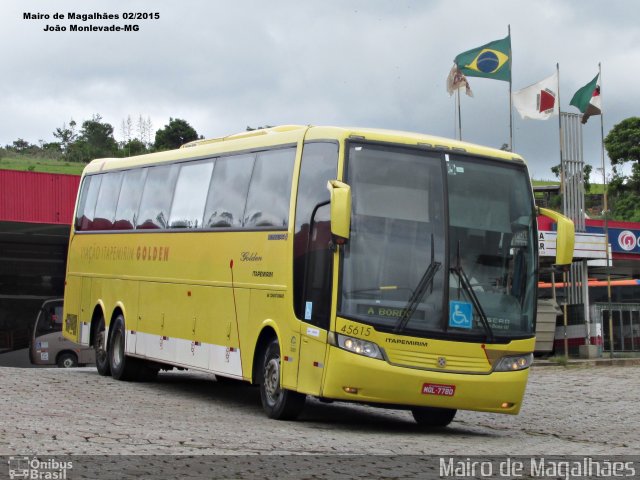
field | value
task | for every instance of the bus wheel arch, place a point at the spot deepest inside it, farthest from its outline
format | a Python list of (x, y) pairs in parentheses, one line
[(267, 335)]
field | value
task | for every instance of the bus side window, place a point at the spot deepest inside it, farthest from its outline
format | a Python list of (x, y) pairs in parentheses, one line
[(228, 191), (191, 195), (156, 197), (87, 204), (105, 212), (129, 199), (270, 189), (312, 258)]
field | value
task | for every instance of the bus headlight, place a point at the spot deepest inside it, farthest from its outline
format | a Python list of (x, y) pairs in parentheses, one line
[(359, 346), (514, 363)]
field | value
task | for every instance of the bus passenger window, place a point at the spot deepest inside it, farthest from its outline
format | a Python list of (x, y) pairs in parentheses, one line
[(228, 191), (107, 199), (191, 195), (270, 189), (156, 197), (129, 200), (87, 205)]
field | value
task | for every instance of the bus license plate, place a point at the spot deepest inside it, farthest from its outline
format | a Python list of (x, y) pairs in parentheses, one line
[(437, 389)]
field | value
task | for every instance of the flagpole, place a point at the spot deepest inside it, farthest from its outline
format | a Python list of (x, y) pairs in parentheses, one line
[(560, 132), (510, 99), (606, 212), (459, 115)]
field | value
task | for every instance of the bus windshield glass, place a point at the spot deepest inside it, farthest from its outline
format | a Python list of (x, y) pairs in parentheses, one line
[(403, 272), (491, 246), (397, 239)]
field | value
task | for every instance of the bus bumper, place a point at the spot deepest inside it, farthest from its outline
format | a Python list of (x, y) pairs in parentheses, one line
[(357, 378)]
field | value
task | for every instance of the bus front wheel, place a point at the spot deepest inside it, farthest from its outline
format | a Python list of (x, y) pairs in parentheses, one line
[(99, 345), (279, 403), (433, 417)]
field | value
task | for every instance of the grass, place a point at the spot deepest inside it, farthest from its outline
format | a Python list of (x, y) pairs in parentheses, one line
[(594, 189), (43, 165), (537, 183), (559, 359)]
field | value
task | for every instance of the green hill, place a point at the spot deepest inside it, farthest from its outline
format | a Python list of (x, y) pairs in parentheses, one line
[(39, 164)]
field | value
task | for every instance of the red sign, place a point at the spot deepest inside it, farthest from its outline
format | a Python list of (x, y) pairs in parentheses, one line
[(437, 389)]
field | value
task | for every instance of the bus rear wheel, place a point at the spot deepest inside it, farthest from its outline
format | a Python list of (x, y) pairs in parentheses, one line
[(99, 346), (278, 403), (433, 417), (122, 367)]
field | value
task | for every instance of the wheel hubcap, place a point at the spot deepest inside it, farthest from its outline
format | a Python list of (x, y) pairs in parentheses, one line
[(272, 380), (117, 351), (100, 352)]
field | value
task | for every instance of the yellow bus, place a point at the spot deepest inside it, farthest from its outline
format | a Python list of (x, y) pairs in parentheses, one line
[(361, 265)]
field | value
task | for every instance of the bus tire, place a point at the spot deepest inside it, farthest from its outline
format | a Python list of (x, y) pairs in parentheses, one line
[(67, 360), (278, 403), (122, 367), (433, 417), (99, 346)]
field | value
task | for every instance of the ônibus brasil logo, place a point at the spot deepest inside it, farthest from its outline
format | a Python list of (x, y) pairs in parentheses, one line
[(36, 469), (627, 240)]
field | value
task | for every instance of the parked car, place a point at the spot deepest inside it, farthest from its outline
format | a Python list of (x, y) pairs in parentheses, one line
[(47, 345)]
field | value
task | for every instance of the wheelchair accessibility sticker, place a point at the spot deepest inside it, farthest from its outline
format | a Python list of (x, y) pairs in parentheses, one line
[(460, 315)]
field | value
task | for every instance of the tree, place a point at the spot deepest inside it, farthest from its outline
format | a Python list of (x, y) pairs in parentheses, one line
[(623, 145), (126, 129), (19, 145), (95, 141), (586, 175), (623, 141), (66, 135), (144, 129), (175, 134), (134, 147)]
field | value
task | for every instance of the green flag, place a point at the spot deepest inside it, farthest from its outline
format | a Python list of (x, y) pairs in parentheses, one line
[(492, 60), (587, 99)]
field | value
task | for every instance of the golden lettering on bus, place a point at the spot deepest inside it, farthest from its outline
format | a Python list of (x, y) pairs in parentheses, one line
[(155, 253), (107, 252)]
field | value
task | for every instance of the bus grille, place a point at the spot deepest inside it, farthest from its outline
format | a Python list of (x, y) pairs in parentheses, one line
[(431, 361)]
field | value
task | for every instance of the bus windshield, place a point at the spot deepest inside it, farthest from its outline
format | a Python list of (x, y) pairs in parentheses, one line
[(410, 269)]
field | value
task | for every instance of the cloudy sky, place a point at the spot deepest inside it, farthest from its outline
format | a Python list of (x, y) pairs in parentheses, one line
[(223, 65)]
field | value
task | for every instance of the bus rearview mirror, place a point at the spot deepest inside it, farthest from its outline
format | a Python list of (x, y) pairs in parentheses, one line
[(565, 238), (340, 210)]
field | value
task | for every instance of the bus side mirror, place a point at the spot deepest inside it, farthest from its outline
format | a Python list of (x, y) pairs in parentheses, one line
[(340, 211), (566, 236)]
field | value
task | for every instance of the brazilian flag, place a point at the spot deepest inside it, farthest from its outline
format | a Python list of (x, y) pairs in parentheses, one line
[(492, 60)]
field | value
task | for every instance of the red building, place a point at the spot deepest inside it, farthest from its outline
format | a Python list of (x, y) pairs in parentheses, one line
[(35, 217)]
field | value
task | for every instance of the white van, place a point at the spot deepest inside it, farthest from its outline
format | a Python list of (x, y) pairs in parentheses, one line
[(47, 345)]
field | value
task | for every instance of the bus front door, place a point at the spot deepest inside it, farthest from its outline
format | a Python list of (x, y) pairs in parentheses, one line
[(313, 347)]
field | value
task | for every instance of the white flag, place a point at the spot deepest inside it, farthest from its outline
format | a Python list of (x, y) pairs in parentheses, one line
[(538, 101), (456, 81)]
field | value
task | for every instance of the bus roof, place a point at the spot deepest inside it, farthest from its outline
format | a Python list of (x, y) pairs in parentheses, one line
[(290, 134)]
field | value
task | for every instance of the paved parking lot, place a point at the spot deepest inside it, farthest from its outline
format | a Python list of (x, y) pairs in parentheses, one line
[(579, 411)]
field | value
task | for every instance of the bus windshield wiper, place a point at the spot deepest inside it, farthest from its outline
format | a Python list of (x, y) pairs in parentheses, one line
[(423, 285), (466, 285)]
